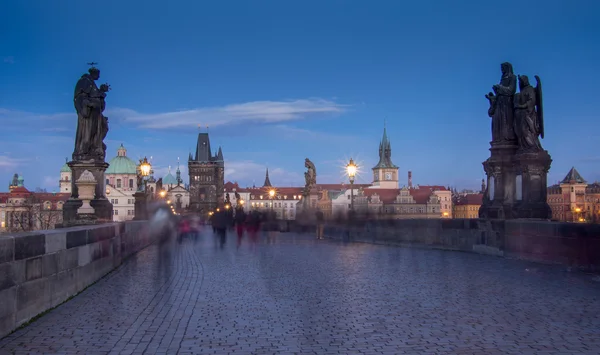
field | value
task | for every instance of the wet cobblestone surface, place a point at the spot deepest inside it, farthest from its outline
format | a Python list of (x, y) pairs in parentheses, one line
[(294, 294)]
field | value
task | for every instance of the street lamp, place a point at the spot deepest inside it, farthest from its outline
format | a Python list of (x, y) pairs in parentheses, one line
[(578, 211), (163, 193), (271, 195), (144, 170), (140, 208), (351, 169)]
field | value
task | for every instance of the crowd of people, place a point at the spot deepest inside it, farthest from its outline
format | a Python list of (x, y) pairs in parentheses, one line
[(222, 220)]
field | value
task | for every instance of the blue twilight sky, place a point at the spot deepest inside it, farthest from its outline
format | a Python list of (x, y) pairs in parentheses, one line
[(279, 81)]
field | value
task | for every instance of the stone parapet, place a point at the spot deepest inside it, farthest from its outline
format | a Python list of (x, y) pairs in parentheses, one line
[(40, 270), (571, 244)]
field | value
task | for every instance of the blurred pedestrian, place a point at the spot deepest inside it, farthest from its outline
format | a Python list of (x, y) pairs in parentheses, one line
[(320, 223), (240, 224)]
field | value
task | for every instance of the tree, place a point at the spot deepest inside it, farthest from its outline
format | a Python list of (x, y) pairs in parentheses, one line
[(31, 214)]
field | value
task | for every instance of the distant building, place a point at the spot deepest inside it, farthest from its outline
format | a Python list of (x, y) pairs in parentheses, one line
[(206, 176), (467, 205), (176, 191), (385, 173), (574, 200), (121, 184), (65, 179), (22, 210)]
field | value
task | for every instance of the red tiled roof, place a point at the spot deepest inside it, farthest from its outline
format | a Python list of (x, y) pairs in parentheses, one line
[(343, 186), (385, 195), (53, 197), (421, 196), (19, 190), (469, 199), (433, 187)]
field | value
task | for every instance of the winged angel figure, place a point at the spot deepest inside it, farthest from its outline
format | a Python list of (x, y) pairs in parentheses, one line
[(529, 114)]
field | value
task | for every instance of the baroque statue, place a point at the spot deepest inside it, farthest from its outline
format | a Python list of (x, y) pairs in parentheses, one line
[(310, 176), (529, 115), (92, 125), (501, 105)]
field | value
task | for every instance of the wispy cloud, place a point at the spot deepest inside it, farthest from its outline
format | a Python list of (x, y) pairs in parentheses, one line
[(291, 132), (256, 111), (9, 60), (7, 162), (247, 172)]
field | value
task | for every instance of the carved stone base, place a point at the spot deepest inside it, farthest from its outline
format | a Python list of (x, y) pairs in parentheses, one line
[(103, 209), (500, 193), (532, 171)]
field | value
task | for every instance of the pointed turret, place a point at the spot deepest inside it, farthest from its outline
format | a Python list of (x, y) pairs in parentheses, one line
[(385, 152), (220, 155), (573, 176), (178, 174), (267, 181)]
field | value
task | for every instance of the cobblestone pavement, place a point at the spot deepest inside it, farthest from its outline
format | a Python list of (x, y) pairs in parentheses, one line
[(293, 294)]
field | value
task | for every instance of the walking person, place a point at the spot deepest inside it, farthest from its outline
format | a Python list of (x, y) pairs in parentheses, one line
[(240, 224), (320, 223), (220, 225)]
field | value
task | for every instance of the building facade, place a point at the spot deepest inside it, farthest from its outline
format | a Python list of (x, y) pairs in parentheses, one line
[(574, 200), (467, 205), (207, 173), (385, 173), (121, 184), (22, 210)]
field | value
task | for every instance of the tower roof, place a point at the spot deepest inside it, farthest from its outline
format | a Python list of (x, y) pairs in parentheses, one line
[(169, 179), (385, 153), (267, 180), (203, 152), (573, 176)]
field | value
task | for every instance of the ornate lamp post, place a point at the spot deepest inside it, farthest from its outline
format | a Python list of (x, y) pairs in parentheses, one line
[(351, 169), (143, 170)]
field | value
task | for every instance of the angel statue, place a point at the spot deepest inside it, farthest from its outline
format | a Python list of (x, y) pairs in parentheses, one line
[(529, 115), (310, 176)]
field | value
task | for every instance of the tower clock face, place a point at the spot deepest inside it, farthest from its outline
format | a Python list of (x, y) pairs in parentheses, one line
[(388, 176)]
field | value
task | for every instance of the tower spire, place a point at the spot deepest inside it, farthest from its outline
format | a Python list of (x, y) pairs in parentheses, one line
[(267, 180)]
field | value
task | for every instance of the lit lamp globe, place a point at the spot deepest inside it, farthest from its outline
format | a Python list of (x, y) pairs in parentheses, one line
[(351, 169), (163, 193), (145, 167), (271, 193)]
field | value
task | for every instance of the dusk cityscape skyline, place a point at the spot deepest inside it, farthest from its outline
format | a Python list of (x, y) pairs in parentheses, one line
[(273, 98)]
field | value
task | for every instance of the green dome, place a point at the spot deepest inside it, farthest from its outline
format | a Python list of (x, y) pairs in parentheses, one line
[(65, 169), (121, 164), (169, 179)]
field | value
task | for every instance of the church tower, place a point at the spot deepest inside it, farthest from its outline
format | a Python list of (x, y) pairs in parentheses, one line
[(207, 176), (385, 173), (65, 178)]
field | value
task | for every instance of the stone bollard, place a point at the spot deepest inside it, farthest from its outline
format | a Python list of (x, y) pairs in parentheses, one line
[(86, 184)]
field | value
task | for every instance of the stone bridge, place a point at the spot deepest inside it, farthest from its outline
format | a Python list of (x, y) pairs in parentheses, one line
[(289, 293)]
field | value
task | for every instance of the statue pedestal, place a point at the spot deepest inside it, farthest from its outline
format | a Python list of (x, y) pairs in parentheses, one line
[(500, 171), (140, 206), (531, 190), (103, 209)]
